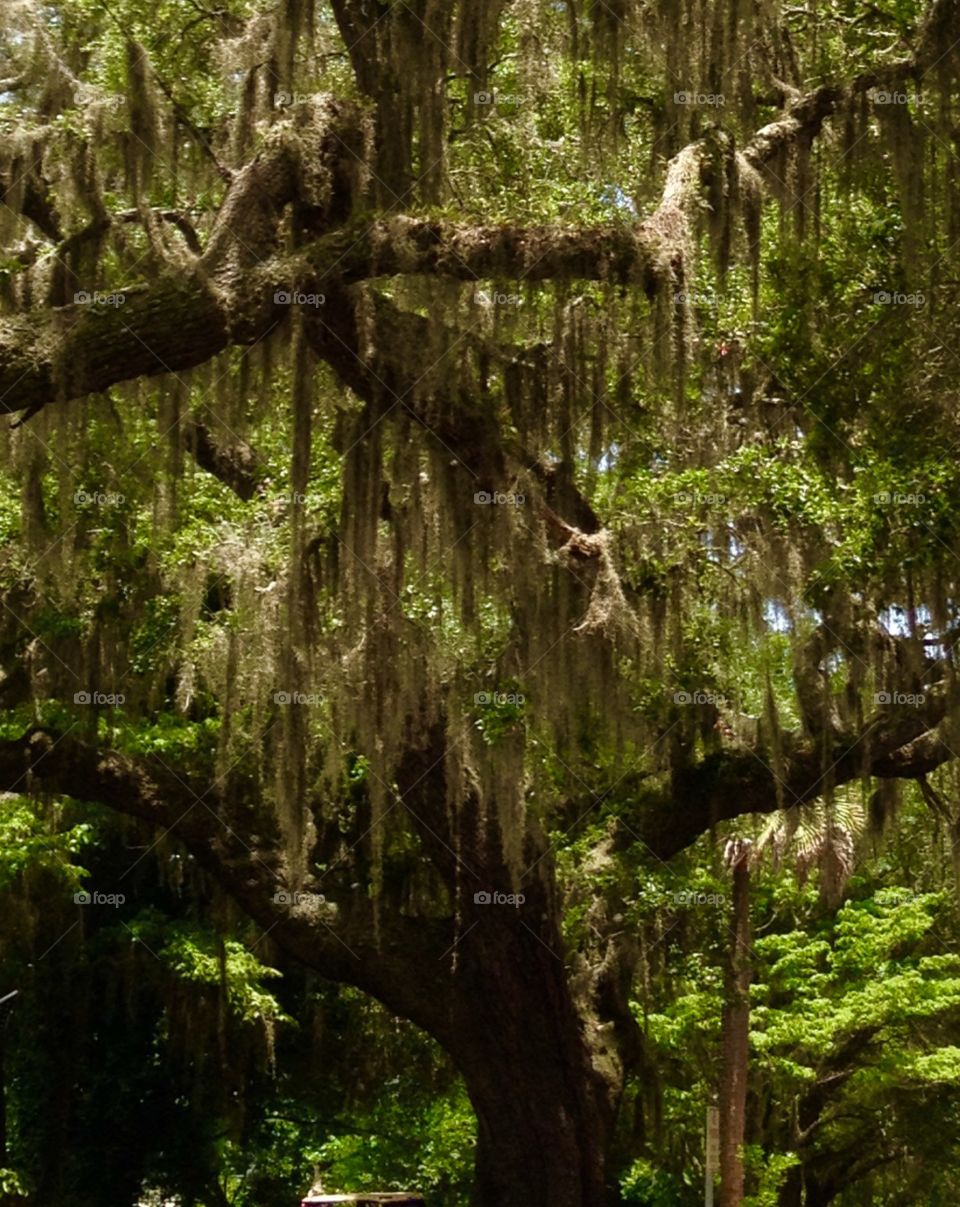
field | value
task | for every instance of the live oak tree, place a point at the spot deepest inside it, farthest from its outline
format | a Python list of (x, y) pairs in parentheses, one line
[(603, 344)]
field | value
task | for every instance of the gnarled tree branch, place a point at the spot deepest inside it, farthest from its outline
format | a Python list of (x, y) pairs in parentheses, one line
[(340, 943), (177, 324), (734, 782)]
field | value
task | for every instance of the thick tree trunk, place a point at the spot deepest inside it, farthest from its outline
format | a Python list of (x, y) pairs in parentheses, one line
[(543, 1077), (544, 1114), (532, 1152)]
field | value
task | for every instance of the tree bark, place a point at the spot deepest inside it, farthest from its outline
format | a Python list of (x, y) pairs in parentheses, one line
[(539, 1144), (544, 1114), (735, 1032), (542, 1081)]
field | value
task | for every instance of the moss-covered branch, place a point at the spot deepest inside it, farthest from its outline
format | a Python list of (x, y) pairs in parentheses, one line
[(739, 781), (341, 945), (182, 321)]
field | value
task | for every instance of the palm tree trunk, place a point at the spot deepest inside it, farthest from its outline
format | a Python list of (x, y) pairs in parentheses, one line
[(735, 1033)]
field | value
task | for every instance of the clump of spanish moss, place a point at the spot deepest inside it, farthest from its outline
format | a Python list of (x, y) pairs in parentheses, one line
[(144, 110), (485, 577)]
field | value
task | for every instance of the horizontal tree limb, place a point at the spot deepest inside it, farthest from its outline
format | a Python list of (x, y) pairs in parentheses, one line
[(735, 782), (390, 961), (178, 323)]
